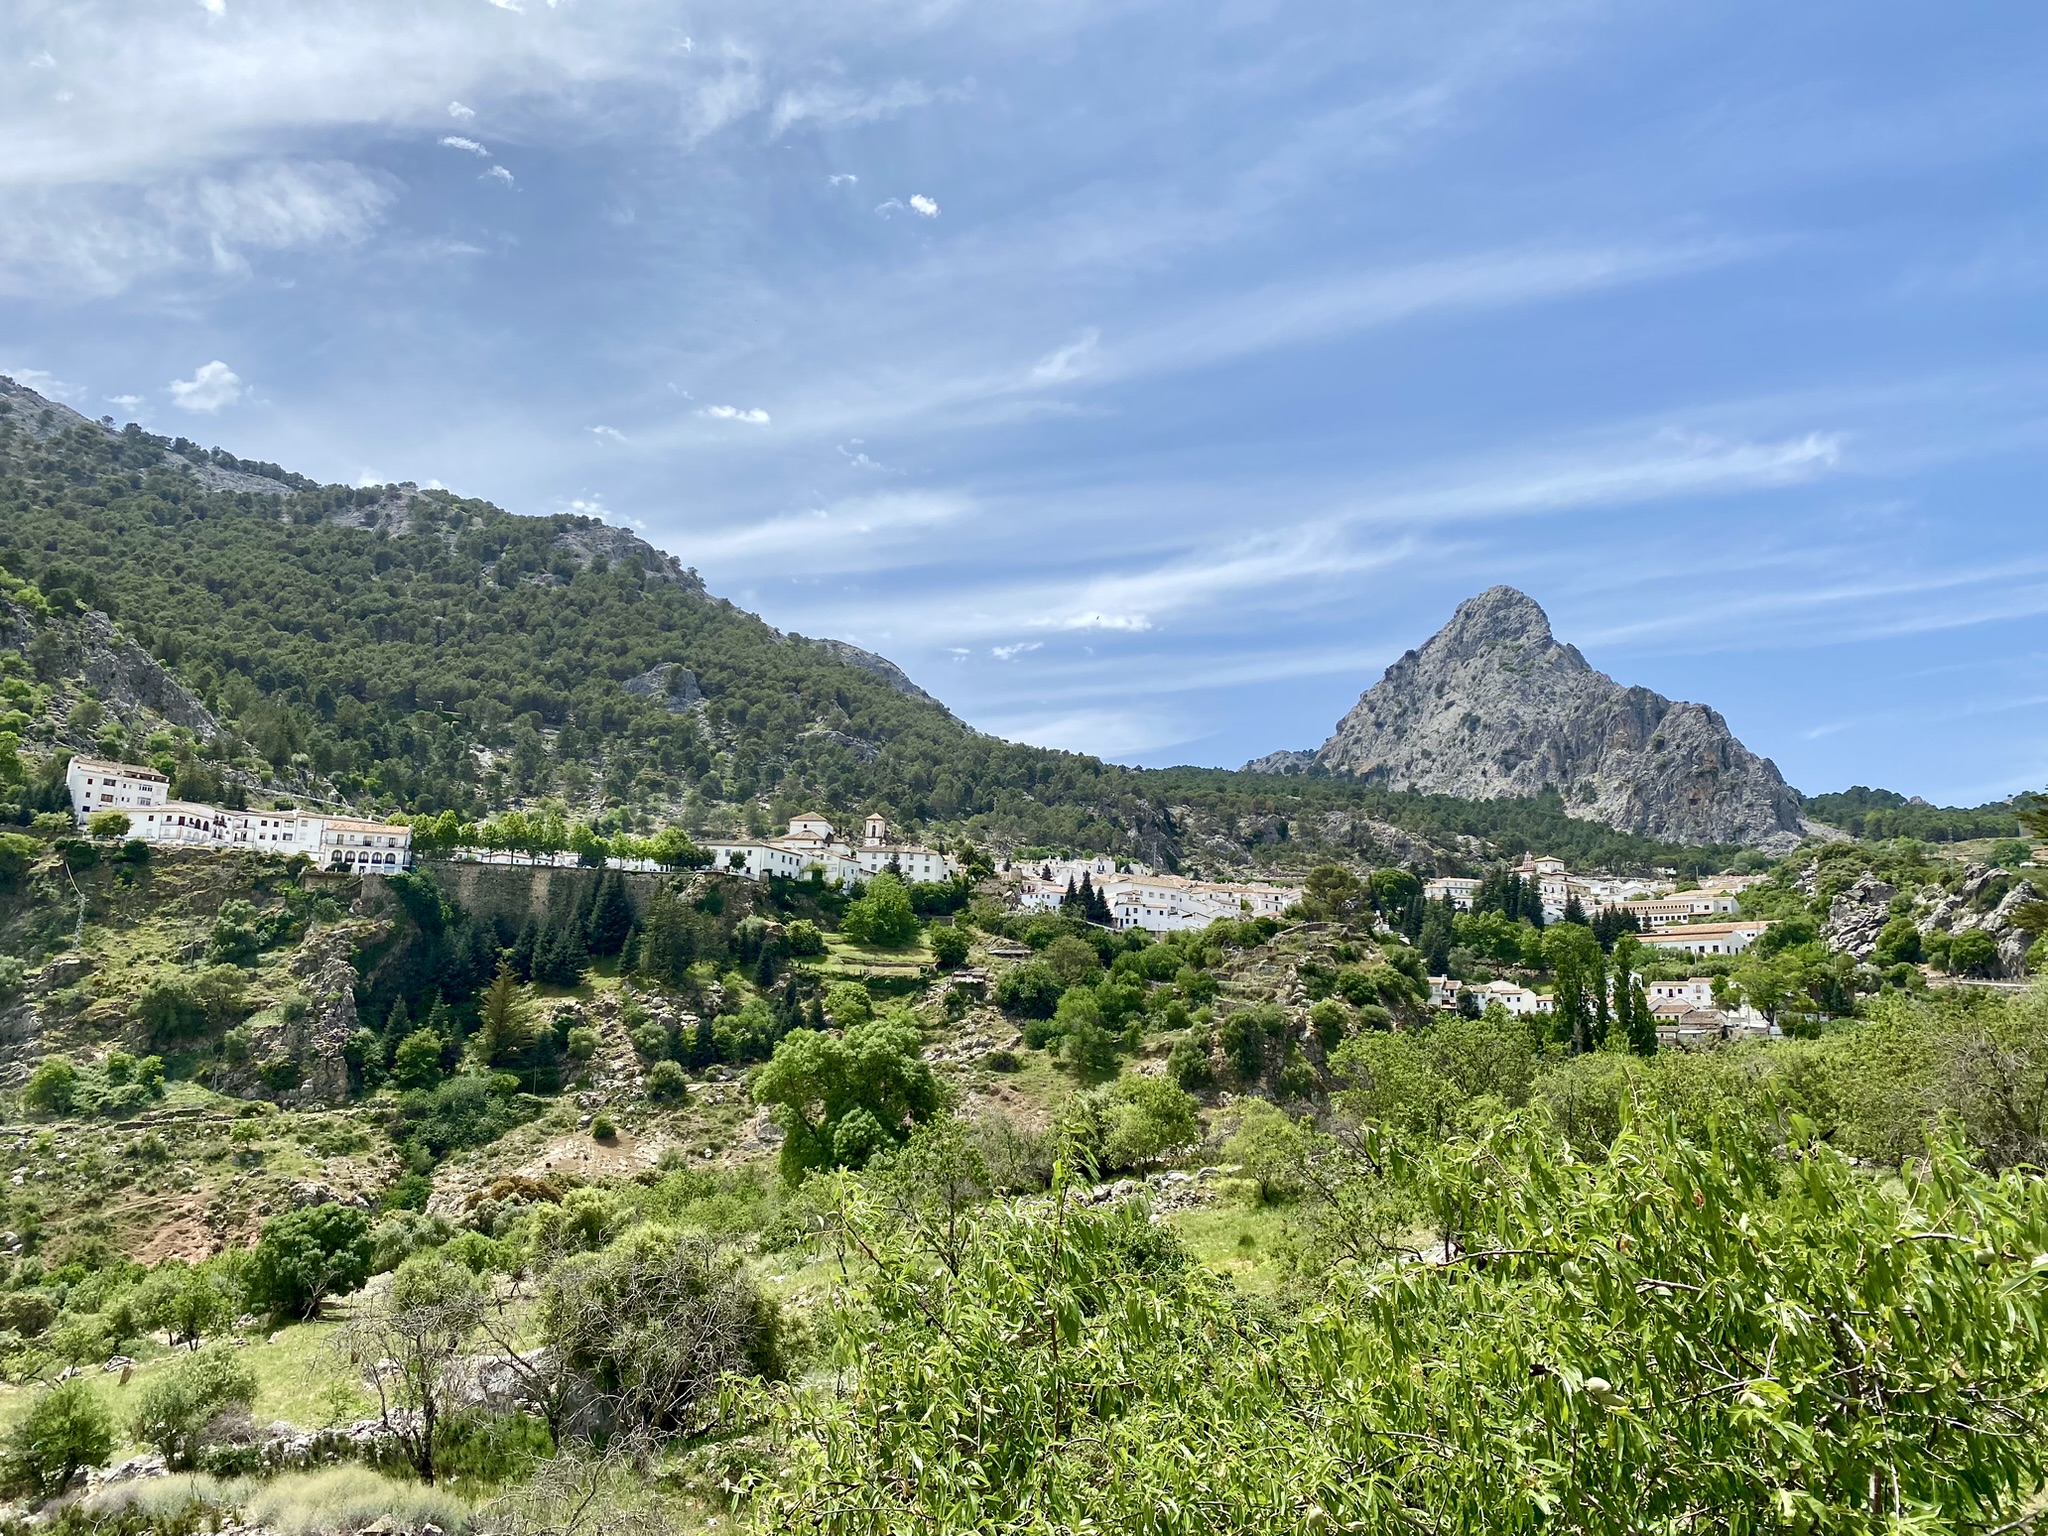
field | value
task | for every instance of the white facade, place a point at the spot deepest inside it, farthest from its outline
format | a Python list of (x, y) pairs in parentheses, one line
[(1707, 938), (1460, 888), (335, 842), (98, 785), (1517, 999), (1163, 903), (1682, 907), (812, 843)]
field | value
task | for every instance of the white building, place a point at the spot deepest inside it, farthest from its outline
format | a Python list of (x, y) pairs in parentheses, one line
[(1514, 997), (1160, 903), (1682, 907), (1459, 888), (812, 843), (335, 842), (98, 785), (1707, 938)]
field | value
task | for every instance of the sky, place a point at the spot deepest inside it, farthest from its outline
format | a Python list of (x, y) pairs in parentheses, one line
[(1141, 377)]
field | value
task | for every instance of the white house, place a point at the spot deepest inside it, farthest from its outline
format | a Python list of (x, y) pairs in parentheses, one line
[(1159, 903), (1707, 938), (1459, 888), (98, 785), (341, 843), (1517, 999)]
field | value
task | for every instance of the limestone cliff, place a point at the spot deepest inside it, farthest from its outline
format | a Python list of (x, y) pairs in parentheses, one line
[(1494, 705)]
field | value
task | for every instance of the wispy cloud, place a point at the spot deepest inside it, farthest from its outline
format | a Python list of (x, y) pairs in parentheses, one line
[(608, 434), (467, 146), (499, 174), (459, 112), (919, 204), (858, 533), (755, 417), (214, 385), (1013, 651), (843, 179), (835, 106)]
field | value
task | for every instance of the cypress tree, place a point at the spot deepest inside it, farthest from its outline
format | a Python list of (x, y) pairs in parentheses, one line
[(521, 955)]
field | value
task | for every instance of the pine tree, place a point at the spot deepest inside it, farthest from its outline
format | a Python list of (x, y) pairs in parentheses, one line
[(666, 941), (611, 916), (521, 955), (506, 1029), (398, 1022), (1072, 900)]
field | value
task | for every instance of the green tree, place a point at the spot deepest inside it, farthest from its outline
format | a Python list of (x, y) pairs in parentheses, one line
[(1031, 990), (505, 1021), (817, 1083), (1973, 952), (950, 947), (848, 1003), (417, 1062), (611, 917), (1334, 894), (307, 1255), (108, 826), (409, 1347), (52, 1089), (234, 939), (667, 940), (882, 917), (65, 1429), (181, 1399)]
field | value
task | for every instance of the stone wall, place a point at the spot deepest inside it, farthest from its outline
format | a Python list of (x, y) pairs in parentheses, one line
[(513, 893)]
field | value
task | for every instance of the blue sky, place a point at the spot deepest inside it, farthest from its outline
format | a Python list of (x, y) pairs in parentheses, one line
[(1141, 377)]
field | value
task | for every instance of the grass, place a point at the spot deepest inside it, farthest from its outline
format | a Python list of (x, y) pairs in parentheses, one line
[(1241, 1242), (344, 1498), (298, 1380)]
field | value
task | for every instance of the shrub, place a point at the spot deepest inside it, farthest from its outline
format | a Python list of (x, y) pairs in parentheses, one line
[(1188, 1062), (950, 946), (848, 1003), (803, 938), (1030, 991), (182, 1398), (582, 1042), (667, 1082), (52, 1088), (12, 974), (66, 1428), (603, 1128), (417, 1062)]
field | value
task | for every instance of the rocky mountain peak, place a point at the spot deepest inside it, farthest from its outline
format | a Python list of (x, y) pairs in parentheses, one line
[(1495, 705)]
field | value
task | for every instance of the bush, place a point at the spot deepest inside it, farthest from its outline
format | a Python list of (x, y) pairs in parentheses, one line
[(12, 974), (582, 1043), (417, 1062), (667, 1082), (52, 1088), (603, 1128), (803, 938), (1188, 1062), (848, 1003), (182, 1398), (950, 946), (66, 1428), (1030, 991)]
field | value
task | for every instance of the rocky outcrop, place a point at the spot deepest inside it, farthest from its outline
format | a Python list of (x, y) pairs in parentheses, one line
[(1978, 902), (672, 683), (1494, 706), (90, 649), (1857, 916), (874, 666)]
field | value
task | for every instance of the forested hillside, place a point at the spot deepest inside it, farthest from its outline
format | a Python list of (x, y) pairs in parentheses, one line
[(417, 651)]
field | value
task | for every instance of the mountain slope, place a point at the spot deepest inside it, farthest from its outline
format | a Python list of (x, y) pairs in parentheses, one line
[(1495, 705), (417, 651)]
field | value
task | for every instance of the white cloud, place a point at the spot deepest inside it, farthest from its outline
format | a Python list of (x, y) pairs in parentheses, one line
[(42, 61), (1068, 362), (126, 402), (497, 173), (921, 204), (508, 5), (844, 179), (214, 7), (48, 385), (99, 240), (213, 386), (459, 112), (1012, 652), (612, 434), (835, 106), (753, 418), (467, 146), (861, 532)]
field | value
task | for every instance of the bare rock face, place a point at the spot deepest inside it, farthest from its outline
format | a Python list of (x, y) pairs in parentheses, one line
[(1970, 905), (1495, 706), (1857, 916), (874, 666), (674, 684)]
